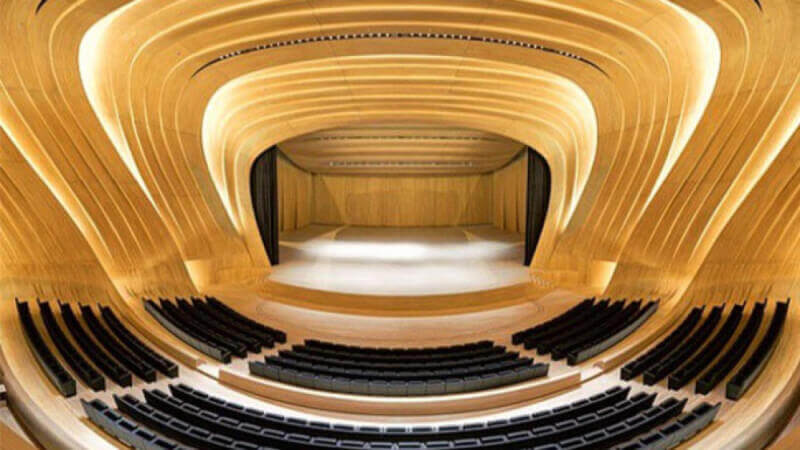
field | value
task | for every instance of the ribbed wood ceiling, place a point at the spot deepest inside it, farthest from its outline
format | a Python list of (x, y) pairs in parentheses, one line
[(400, 148)]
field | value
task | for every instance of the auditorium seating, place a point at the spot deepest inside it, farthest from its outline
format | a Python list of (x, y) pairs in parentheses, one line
[(213, 328), (192, 417), (674, 360), (123, 429), (60, 378), (682, 357), (227, 314), (99, 357), (587, 329), (136, 346), (743, 379), (703, 358), (643, 362), (678, 431), (121, 353), (74, 359), (191, 335), (398, 372)]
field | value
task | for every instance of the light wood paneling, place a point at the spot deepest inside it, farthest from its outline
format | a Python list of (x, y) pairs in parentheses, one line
[(394, 148), (510, 188), (402, 201), (295, 191)]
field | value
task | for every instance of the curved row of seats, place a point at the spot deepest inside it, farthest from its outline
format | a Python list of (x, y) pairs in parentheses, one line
[(398, 372), (74, 359), (118, 355), (587, 329), (190, 417), (213, 328), (694, 350), (55, 372), (138, 347)]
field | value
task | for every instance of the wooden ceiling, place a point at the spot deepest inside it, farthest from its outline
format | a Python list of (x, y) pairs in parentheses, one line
[(400, 148)]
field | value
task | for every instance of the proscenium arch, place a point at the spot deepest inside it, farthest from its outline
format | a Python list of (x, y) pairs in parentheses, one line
[(264, 196), (243, 118)]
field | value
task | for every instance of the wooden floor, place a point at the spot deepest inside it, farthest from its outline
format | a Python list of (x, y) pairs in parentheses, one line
[(401, 261)]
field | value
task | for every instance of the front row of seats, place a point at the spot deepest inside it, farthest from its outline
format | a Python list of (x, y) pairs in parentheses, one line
[(398, 372), (188, 417)]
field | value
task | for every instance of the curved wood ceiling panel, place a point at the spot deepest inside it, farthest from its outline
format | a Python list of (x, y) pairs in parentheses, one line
[(400, 148)]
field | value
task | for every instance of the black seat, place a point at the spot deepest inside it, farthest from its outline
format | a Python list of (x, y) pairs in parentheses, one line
[(743, 379), (55, 372), (135, 345), (74, 359), (728, 361), (99, 357), (703, 358), (666, 346), (187, 335), (128, 359), (278, 335), (673, 360)]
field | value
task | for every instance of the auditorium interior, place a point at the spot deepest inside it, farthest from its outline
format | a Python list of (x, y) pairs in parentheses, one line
[(386, 224)]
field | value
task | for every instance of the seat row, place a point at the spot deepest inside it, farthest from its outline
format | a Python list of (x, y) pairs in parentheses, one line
[(702, 349), (398, 372), (189, 417), (212, 327), (398, 351), (586, 330), (397, 356), (117, 354)]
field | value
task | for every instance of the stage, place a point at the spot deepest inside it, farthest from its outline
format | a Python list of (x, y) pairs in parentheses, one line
[(400, 261)]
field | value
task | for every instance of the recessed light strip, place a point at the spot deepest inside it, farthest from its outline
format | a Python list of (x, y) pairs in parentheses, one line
[(398, 35), (397, 137), (393, 164)]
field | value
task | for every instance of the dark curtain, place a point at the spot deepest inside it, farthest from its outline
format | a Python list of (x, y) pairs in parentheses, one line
[(264, 190), (538, 201)]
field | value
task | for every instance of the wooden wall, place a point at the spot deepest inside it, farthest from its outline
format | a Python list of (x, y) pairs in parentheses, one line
[(509, 185), (496, 198), (402, 200), (295, 189)]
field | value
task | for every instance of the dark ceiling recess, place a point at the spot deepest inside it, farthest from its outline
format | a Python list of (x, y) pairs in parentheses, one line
[(398, 35), (40, 5)]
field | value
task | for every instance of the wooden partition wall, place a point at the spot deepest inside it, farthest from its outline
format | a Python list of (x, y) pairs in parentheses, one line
[(509, 185), (402, 201), (295, 194), (497, 198)]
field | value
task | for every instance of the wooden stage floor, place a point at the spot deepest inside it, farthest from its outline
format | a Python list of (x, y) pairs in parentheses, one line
[(401, 261)]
